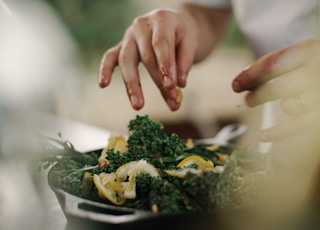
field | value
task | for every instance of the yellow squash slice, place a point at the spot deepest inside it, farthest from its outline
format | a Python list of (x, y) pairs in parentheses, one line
[(109, 189), (128, 172), (195, 160), (116, 142)]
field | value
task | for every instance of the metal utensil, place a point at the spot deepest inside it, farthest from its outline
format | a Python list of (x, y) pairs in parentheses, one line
[(225, 135)]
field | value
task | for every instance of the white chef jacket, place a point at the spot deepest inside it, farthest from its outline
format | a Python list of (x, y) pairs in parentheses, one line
[(269, 25), (272, 24)]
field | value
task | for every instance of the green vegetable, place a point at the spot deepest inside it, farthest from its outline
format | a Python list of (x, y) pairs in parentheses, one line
[(167, 197), (147, 140), (143, 190), (203, 191)]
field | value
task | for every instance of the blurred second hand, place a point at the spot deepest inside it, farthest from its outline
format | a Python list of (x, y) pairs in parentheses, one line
[(267, 122)]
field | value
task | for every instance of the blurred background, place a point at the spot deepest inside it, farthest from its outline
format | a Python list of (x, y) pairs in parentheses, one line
[(50, 56), (94, 26), (50, 52)]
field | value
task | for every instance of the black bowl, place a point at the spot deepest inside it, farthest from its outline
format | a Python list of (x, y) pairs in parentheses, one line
[(87, 214)]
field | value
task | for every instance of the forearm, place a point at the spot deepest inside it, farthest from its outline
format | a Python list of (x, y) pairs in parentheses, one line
[(210, 24)]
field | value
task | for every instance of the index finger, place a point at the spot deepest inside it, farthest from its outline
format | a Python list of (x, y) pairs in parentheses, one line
[(270, 66)]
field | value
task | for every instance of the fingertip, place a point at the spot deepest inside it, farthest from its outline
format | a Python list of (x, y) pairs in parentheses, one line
[(103, 81), (236, 86), (137, 107), (102, 85), (103, 78), (137, 103), (182, 80), (237, 83), (250, 101), (173, 104), (175, 108)]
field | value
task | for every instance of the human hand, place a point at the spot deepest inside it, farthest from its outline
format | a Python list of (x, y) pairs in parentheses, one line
[(165, 41), (291, 75)]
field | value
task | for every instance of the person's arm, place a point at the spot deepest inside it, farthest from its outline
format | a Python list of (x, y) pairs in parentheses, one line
[(167, 42)]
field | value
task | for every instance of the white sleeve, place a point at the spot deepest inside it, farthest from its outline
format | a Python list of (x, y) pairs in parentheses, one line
[(210, 3)]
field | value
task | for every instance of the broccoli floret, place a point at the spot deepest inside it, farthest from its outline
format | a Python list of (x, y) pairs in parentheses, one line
[(145, 137), (238, 183), (204, 191), (203, 151), (199, 190), (172, 150), (116, 159), (143, 188), (165, 196), (173, 145), (67, 163), (147, 140), (143, 184), (68, 179)]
